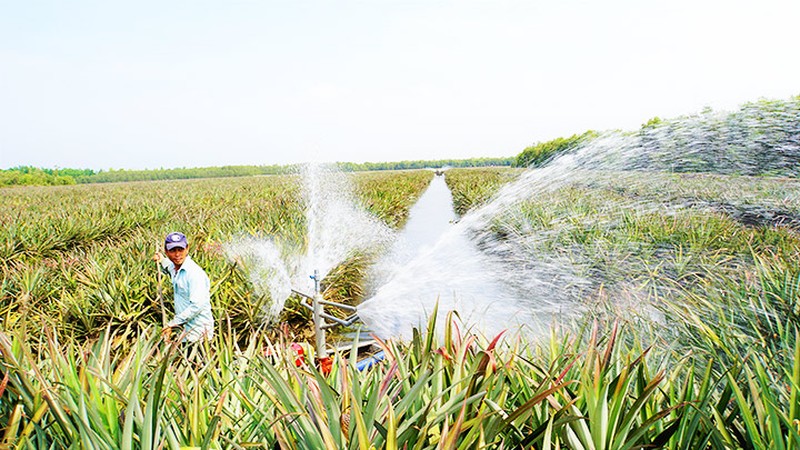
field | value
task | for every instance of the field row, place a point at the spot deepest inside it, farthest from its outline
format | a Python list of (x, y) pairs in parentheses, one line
[(687, 335), (77, 258)]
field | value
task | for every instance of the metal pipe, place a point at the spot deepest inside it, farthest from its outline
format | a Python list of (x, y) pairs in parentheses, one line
[(346, 322), (302, 294), (319, 331), (339, 305), (329, 303)]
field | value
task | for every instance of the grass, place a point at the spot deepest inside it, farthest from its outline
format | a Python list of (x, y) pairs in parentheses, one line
[(723, 288), (594, 387), (77, 258), (475, 186), (390, 195), (84, 367), (462, 392)]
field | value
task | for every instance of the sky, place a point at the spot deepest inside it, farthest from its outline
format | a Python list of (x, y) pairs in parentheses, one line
[(145, 84)]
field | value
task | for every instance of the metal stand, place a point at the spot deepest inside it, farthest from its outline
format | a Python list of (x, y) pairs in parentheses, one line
[(317, 306), (319, 332)]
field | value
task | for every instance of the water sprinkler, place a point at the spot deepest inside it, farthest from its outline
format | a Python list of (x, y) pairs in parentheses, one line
[(321, 318)]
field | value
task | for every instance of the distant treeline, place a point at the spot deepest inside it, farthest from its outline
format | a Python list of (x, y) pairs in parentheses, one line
[(112, 176), (424, 164), (540, 154), (760, 138), (25, 175)]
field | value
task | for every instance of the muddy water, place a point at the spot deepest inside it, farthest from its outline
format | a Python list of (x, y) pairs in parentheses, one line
[(430, 217), (428, 220)]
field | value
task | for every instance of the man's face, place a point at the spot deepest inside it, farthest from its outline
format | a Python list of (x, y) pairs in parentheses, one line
[(177, 255)]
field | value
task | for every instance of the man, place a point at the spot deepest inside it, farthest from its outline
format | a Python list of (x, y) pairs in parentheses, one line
[(192, 290)]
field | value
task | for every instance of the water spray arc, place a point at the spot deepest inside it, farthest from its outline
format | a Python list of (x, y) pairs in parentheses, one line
[(509, 263), (336, 228)]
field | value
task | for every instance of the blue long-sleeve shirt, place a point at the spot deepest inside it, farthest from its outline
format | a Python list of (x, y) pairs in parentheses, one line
[(192, 299)]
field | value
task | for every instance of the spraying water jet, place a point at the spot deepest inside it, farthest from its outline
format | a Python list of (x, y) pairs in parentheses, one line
[(529, 267)]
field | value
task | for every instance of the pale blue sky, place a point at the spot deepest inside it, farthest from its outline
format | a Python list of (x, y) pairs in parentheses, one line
[(104, 84)]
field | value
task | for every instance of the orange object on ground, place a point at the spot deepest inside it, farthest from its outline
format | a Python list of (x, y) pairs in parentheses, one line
[(325, 365)]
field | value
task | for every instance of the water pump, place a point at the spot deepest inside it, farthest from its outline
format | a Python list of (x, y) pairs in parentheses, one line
[(321, 317)]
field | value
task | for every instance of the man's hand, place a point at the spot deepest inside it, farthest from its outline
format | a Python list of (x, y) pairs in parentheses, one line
[(166, 333), (158, 257)]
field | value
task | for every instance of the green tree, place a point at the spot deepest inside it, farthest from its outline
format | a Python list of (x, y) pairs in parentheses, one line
[(541, 153)]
